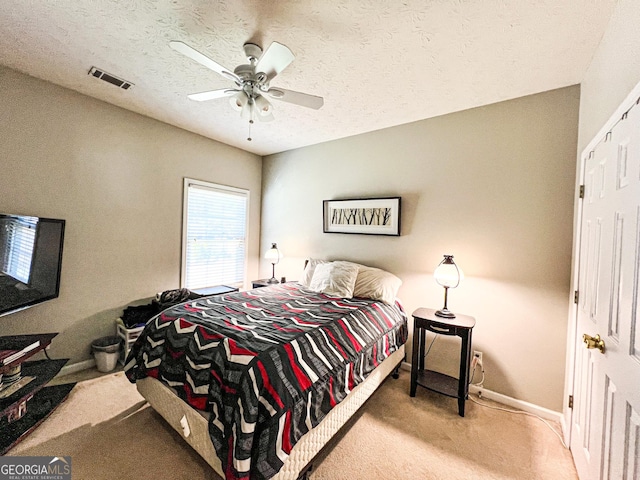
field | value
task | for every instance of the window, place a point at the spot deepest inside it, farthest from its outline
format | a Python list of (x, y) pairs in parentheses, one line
[(214, 235), (20, 237)]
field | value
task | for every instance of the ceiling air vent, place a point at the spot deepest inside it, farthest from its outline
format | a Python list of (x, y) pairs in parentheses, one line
[(107, 77)]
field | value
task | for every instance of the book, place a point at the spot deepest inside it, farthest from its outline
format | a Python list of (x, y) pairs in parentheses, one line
[(11, 355), (10, 389), (18, 348)]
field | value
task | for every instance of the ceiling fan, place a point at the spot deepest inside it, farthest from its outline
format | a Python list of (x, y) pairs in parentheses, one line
[(252, 81)]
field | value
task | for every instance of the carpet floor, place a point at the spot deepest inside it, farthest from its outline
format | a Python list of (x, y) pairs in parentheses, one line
[(110, 432)]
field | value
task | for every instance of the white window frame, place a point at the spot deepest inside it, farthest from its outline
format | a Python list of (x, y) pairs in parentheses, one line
[(20, 245), (185, 220)]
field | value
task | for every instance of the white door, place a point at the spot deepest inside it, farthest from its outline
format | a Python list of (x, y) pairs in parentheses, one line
[(605, 425)]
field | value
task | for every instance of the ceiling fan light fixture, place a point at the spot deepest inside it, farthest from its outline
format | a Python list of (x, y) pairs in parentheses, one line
[(239, 101), (263, 106), (249, 96)]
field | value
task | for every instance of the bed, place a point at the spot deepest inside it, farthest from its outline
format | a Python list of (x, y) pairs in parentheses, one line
[(257, 382)]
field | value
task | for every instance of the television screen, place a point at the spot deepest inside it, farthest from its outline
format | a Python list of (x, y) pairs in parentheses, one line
[(30, 260)]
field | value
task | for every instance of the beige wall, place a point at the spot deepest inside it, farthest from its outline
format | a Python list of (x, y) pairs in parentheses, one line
[(492, 186), (116, 178)]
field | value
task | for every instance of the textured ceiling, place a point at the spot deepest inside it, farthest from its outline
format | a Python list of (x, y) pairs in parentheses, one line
[(376, 63)]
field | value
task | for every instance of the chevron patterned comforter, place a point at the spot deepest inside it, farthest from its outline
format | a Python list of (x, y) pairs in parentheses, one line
[(267, 364)]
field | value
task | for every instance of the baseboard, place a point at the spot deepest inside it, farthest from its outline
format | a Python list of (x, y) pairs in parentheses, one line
[(519, 404), (77, 367), (486, 393), (565, 430), (511, 402)]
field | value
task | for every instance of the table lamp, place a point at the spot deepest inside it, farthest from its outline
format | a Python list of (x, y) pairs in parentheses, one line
[(448, 275), (274, 256)]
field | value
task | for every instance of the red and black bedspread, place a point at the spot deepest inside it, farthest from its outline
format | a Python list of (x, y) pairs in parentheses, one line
[(267, 364)]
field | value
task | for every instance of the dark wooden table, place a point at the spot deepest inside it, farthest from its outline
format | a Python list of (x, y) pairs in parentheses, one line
[(23, 406), (462, 325), (217, 290), (262, 283)]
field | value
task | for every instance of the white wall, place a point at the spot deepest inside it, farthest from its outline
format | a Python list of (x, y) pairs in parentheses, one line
[(492, 186), (116, 178), (613, 72)]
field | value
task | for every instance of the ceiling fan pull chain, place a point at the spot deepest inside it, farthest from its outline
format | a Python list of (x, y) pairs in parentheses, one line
[(251, 107)]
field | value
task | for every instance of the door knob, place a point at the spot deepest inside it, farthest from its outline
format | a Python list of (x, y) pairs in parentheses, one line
[(593, 342)]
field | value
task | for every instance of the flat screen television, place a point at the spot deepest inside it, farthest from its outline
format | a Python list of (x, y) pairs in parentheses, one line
[(30, 260)]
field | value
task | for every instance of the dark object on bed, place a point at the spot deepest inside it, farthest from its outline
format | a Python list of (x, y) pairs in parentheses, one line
[(267, 364), (169, 298), (141, 314)]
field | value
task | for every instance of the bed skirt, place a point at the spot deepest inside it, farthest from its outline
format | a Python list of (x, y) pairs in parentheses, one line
[(195, 429)]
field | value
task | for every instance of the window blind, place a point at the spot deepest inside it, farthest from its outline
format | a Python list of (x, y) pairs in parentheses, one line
[(18, 254), (215, 242)]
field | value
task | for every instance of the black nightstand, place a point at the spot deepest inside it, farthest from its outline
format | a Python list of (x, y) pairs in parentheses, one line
[(262, 283), (461, 326)]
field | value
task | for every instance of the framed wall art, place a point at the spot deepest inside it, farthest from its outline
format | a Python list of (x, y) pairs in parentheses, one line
[(368, 216)]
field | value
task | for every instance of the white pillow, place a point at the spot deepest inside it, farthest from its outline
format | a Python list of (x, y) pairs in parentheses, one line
[(335, 279), (307, 274), (376, 284)]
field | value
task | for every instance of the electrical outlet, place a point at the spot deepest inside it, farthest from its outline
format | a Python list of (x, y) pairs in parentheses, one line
[(477, 356)]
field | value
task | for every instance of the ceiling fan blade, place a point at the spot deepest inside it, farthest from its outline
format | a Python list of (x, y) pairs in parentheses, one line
[(212, 94), (274, 60), (195, 55), (297, 98)]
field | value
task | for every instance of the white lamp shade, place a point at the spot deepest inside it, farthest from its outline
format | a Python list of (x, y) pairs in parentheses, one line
[(273, 254), (263, 106), (239, 101), (448, 274)]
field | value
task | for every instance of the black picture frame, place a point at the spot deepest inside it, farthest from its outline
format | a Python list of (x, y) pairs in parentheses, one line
[(363, 216)]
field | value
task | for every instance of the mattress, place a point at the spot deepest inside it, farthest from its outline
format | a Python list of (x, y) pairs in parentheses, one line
[(267, 365), (194, 429)]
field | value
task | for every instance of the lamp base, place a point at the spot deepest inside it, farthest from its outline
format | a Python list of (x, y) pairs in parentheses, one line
[(273, 280), (445, 313)]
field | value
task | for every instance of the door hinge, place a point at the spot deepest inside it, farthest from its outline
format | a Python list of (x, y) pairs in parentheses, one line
[(581, 191), (570, 401), (575, 296)]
